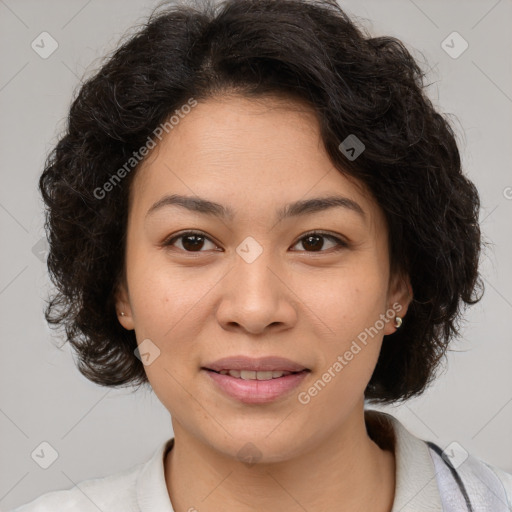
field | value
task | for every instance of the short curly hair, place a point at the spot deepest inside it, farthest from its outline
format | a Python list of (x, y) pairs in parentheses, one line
[(308, 50)]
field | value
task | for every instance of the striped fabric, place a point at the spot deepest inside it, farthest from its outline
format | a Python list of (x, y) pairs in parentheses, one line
[(472, 486)]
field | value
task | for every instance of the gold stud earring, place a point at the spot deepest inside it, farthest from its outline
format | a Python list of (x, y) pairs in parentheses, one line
[(398, 322)]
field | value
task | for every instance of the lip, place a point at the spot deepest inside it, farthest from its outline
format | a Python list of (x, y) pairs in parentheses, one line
[(256, 391), (259, 364)]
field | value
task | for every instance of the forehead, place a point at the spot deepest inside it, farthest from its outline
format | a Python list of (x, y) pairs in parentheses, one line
[(246, 153), (223, 131)]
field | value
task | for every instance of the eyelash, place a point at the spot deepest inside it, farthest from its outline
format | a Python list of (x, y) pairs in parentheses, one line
[(340, 243)]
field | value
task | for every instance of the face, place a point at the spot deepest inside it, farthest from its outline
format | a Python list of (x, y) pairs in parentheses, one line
[(265, 279)]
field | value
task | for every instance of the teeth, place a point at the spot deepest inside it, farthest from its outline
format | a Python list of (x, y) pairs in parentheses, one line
[(264, 375), (253, 375)]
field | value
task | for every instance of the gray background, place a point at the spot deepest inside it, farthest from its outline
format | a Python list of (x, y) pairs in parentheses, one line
[(97, 431)]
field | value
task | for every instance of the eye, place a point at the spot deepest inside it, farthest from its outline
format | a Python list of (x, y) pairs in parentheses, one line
[(194, 241), (314, 241)]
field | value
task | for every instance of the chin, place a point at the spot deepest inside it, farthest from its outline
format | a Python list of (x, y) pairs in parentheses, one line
[(259, 444)]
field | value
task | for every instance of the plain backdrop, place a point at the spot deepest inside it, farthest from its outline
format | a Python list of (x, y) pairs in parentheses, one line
[(97, 431)]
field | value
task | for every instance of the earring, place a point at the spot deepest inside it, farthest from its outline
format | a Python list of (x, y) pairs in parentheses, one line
[(122, 313), (398, 322)]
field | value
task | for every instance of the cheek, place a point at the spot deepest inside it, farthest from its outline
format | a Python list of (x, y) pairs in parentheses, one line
[(347, 301), (162, 295), (166, 304), (350, 305), (348, 354), (169, 305)]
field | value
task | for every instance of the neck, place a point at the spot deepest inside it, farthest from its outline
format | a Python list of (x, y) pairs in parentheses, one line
[(334, 476)]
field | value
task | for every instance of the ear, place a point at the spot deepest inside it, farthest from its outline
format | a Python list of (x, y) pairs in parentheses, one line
[(123, 305), (399, 297)]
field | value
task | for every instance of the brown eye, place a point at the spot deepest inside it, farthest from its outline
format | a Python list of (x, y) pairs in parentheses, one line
[(314, 242), (191, 241)]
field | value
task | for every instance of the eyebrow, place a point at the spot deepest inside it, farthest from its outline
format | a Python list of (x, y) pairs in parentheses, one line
[(213, 209)]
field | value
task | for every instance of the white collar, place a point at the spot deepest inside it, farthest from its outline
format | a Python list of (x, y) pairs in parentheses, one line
[(151, 488), (416, 485)]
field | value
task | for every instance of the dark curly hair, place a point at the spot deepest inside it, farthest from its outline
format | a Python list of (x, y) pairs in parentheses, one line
[(307, 50)]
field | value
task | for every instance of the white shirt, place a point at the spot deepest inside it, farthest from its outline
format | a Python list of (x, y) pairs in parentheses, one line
[(424, 481)]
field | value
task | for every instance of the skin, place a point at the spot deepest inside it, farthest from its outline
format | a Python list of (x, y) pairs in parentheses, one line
[(292, 301)]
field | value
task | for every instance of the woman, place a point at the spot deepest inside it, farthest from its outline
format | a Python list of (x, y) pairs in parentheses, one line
[(257, 212)]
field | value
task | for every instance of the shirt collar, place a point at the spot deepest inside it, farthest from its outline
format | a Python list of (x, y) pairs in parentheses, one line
[(152, 494), (415, 484), (415, 489)]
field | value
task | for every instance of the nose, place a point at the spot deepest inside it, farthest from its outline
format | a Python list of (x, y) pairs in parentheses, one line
[(256, 297)]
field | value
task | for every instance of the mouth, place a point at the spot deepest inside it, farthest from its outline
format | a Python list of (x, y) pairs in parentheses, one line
[(255, 380), (251, 386), (256, 375), (250, 367)]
